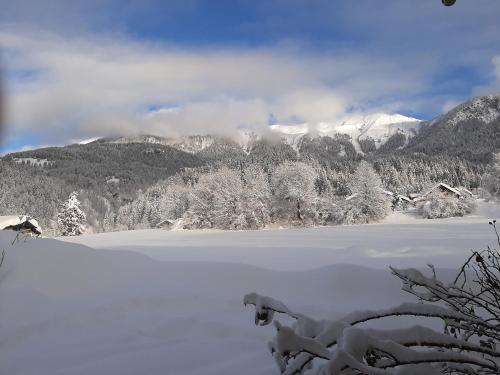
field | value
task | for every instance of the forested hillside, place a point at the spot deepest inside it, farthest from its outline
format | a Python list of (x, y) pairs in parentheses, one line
[(107, 175)]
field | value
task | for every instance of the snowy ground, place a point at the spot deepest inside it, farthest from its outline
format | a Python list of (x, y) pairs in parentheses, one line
[(401, 240), (171, 302)]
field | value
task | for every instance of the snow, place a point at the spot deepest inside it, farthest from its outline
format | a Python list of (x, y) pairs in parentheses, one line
[(398, 240), (6, 221), (88, 140), (447, 187), (379, 126), (33, 161), (171, 302)]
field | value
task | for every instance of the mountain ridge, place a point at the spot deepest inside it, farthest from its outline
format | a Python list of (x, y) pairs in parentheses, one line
[(469, 123)]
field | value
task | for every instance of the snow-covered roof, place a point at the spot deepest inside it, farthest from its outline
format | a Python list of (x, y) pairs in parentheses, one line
[(404, 198), (7, 221), (441, 185), (351, 196), (447, 187), (466, 191)]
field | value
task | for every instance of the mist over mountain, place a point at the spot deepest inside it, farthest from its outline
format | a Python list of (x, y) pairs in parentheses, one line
[(470, 130)]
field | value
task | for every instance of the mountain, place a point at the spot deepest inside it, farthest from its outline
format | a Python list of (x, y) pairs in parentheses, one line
[(365, 131), (377, 128), (191, 144), (470, 130), (92, 165)]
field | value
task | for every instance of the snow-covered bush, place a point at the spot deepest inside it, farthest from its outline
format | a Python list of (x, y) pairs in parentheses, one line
[(227, 199), (368, 201), (294, 189), (71, 219), (469, 343), (440, 207), (331, 210), (257, 197)]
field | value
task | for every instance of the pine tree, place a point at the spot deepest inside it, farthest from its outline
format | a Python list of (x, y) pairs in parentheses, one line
[(71, 218)]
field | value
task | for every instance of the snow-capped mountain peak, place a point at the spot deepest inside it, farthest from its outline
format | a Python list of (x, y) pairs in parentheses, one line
[(378, 126)]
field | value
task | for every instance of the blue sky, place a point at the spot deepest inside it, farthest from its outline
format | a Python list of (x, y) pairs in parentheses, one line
[(78, 69)]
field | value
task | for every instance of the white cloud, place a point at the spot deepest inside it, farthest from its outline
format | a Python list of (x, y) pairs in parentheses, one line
[(449, 105), (496, 63), (83, 87), (493, 86)]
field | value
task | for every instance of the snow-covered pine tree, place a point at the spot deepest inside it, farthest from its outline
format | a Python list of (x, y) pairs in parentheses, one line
[(368, 202), (71, 218)]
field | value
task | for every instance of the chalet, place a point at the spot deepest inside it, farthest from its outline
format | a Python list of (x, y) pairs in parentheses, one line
[(166, 224), (443, 190), (22, 224)]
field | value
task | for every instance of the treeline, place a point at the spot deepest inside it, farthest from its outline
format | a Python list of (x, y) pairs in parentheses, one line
[(292, 193)]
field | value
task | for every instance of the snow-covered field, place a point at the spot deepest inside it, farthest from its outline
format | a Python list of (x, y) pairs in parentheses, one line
[(159, 302)]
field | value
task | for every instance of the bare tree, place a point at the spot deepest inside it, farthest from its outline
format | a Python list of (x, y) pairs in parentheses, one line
[(469, 308)]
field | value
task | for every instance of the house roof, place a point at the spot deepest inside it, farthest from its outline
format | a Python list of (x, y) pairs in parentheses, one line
[(444, 186), (7, 221), (467, 191), (404, 198)]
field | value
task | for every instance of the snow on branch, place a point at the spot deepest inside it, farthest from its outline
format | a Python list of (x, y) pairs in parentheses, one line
[(265, 307), (469, 343)]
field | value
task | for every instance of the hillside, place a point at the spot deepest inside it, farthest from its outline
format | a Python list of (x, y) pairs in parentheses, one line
[(471, 130), (94, 165), (106, 175)]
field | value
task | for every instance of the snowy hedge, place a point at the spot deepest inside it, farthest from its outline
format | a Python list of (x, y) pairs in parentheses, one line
[(438, 207)]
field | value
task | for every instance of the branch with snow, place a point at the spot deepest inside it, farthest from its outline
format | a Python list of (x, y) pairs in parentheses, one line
[(469, 343)]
